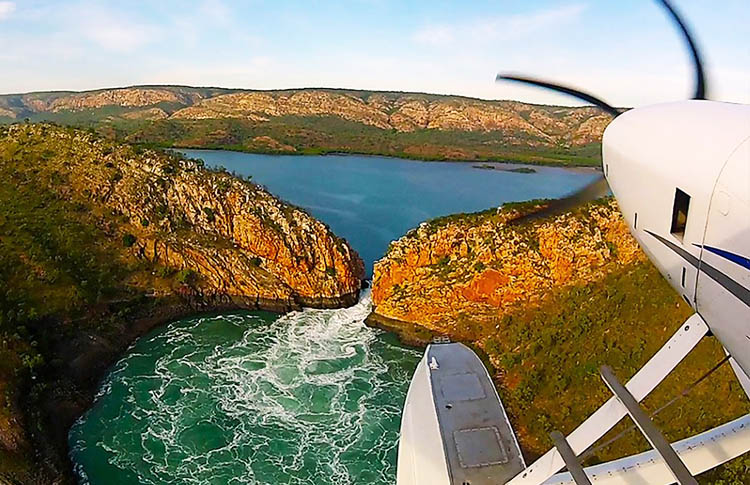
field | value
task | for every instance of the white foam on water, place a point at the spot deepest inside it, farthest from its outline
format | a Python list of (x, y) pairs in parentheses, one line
[(303, 399)]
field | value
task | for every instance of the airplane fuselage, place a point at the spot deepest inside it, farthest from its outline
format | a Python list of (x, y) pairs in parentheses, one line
[(681, 175)]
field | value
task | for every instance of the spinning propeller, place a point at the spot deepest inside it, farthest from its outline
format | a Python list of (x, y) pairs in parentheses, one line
[(598, 188)]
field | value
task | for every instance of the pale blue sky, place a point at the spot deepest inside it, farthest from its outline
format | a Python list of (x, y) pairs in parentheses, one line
[(623, 51)]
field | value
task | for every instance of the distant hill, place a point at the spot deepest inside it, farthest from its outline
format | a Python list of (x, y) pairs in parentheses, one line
[(414, 125)]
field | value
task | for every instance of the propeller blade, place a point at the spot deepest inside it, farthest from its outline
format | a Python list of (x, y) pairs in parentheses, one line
[(563, 89), (594, 190), (700, 78)]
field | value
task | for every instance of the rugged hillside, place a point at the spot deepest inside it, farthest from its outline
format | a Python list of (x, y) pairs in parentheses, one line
[(100, 241), (549, 301), (327, 120), (410, 112), (136, 98), (478, 263)]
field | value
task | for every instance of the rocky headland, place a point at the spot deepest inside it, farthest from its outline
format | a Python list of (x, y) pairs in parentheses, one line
[(546, 302), (99, 242), (481, 263)]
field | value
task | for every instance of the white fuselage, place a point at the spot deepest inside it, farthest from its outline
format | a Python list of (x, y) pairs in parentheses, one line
[(681, 175)]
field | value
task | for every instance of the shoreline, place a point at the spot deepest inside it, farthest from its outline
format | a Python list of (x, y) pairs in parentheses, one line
[(404, 157)]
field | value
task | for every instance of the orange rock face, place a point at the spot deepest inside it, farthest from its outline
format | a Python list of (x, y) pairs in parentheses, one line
[(482, 265), (237, 238), (482, 288), (260, 106), (117, 97)]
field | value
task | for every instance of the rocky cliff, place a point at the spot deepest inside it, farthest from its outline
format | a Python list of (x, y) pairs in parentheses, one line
[(99, 242), (481, 264), (298, 119), (411, 112), (547, 302), (237, 238)]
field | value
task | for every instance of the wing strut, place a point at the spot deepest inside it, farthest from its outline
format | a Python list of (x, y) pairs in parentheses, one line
[(649, 430), (611, 412), (700, 453), (570, 458)]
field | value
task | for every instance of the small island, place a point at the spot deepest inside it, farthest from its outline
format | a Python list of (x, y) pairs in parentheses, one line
[(489, 166)]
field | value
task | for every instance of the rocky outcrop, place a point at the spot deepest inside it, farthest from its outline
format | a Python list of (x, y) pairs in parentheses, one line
[(590, 131), (146, 114), (135, 98), (483, 264), (261, 106), (409, 112), (230, 236)]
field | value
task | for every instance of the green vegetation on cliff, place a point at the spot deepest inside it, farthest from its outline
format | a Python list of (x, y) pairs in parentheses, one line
[(548, 358), (55, 261), (329, 135)]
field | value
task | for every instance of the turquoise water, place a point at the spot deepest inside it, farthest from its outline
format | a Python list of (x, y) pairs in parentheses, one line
[(308, 398), (312, 397)]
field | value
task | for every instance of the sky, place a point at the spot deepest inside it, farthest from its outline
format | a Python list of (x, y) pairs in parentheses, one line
[(625, 52)]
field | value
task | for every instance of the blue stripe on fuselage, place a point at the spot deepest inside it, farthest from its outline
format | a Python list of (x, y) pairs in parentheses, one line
[(733, 287), (735, 258)]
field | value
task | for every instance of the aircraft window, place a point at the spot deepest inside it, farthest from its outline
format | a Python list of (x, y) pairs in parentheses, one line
[(680, 213)]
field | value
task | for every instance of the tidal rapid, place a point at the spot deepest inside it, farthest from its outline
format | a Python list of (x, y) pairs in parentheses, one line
[(312, 397)]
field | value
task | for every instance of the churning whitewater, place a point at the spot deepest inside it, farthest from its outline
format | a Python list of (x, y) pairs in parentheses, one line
[(313, 397)]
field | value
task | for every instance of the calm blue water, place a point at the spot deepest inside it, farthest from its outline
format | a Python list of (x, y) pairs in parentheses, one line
[(371, 201), (309, 398)]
